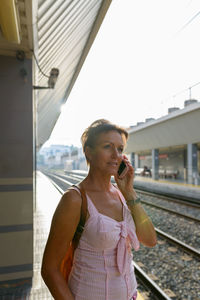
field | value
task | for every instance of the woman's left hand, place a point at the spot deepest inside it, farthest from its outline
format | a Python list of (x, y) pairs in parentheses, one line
[(125, 184)]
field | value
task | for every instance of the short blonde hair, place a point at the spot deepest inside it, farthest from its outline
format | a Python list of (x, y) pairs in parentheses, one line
[(90, 135)]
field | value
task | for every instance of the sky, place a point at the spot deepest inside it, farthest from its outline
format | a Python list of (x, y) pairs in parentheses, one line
[(144, 59)]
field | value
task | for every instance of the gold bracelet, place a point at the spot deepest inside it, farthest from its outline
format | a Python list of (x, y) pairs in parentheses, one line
[(133, 201)]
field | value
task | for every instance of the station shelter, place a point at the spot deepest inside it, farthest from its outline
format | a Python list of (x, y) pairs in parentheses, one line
[(168, 146)]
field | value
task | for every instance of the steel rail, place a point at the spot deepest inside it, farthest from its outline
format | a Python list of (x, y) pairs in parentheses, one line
[(150, 284), (171, 211), (170, 198), (173, 240), (175, 198), (156, 205), (144, 201), (192, 251)]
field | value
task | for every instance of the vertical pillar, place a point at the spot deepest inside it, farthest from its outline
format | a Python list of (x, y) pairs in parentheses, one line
[(155, 164), (16, 169), (192, 164), (185, 165), (133, 159), (136, 161)]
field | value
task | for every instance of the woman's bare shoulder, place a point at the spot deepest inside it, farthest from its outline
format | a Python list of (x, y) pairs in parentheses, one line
[(69, 202), (64, 223), (72, 194)]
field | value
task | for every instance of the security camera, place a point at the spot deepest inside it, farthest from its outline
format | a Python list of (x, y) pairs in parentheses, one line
[(51, 82), (53, 78)]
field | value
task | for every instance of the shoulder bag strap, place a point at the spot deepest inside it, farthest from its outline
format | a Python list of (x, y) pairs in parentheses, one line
[(83, 205)]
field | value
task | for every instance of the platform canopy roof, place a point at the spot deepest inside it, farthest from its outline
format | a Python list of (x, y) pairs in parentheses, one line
[(177, 129), (56, 34)]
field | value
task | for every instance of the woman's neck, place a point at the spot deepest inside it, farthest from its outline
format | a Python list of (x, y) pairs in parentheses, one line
[(98, 181)]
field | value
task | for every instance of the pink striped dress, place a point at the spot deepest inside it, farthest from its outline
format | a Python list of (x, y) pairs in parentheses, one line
[(102, 268)]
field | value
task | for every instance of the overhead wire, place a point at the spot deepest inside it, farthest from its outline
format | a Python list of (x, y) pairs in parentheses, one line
[(39, 66), (190, 21), (184, 90), (189, 88), (182, 28)]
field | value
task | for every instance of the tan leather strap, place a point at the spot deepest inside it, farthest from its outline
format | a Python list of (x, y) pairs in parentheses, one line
[(83, 205), (83, 208)]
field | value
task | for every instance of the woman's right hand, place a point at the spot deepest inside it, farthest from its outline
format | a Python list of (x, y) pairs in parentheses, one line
[(125, 184)]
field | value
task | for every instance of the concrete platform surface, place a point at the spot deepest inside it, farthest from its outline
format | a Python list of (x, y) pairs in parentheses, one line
[(168, 187)]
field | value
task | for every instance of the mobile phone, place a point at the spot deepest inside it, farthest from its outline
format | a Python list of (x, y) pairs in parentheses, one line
[(122, 169)]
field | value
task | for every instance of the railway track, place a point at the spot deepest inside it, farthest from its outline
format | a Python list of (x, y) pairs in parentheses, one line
[(171, 199), (190, 250), (171, 211), (78, 177), (67, 180)]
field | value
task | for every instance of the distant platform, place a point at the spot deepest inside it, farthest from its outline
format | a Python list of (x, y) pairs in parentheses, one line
[(174, 188), (168, 187)]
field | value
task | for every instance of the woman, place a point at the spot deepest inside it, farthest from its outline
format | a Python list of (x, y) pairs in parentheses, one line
[(115, 223)]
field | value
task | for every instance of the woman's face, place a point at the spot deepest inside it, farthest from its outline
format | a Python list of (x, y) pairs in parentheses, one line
[(106, 155)]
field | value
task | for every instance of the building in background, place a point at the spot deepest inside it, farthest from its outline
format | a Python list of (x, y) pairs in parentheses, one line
[(61, 157), (169, 146)]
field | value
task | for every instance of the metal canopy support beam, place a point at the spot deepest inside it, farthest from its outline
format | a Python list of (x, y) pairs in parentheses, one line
[(133, 159), (137, 165), (155, 163), (192, 163)]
